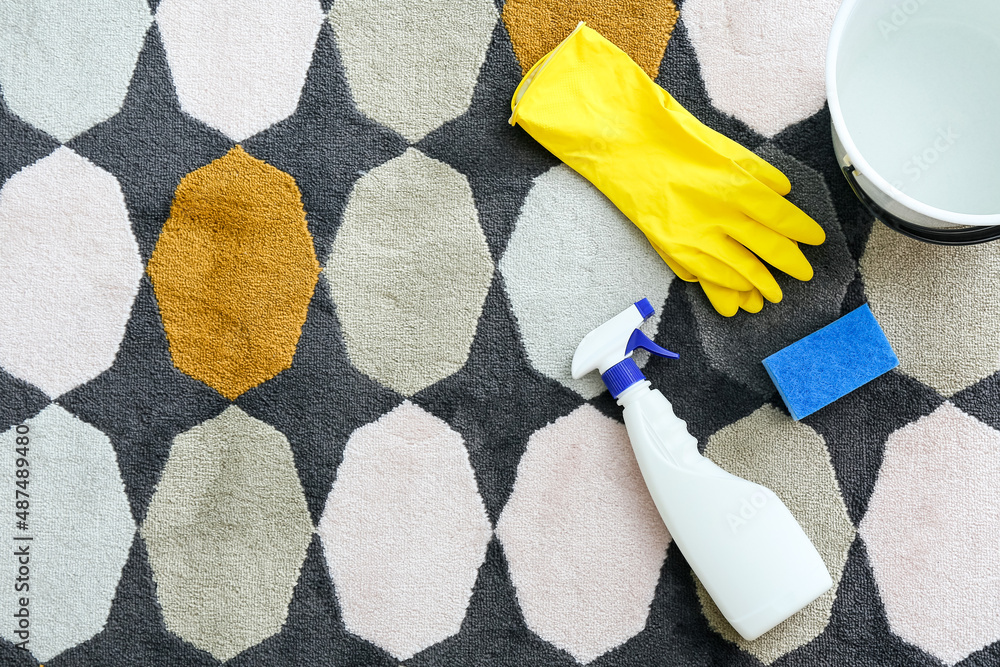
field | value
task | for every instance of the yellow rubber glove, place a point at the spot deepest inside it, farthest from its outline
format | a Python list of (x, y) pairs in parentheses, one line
[(702, 200), (726, 301)]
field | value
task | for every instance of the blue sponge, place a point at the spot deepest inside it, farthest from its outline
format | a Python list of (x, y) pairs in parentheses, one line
[(834, 361)]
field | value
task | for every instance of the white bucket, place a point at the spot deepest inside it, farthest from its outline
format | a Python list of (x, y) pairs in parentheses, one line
[(914, 92)]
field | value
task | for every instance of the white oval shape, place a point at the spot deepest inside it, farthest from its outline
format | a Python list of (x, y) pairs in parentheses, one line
[(574, 262), (239, 66), (69, 271), (931, 529), (80, 526), (66, 64), (763, 62), (404, 531), (583, 539)]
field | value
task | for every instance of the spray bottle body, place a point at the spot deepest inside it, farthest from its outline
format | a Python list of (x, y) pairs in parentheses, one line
[(742, 542), (744, 545)]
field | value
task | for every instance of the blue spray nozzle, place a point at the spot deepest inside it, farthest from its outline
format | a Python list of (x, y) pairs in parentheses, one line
[(645, 308), (639, 340), (609, 347)]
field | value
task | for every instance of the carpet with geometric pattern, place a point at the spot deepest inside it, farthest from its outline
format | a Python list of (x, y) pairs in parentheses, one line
[(287, 310)]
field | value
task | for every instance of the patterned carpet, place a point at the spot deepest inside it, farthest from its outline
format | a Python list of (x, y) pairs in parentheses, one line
[(286, 316)]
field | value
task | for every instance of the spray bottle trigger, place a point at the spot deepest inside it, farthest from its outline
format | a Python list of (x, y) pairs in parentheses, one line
[(641, 340)]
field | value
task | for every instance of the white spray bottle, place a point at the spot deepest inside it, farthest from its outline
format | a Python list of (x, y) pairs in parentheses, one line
[(747, 549)]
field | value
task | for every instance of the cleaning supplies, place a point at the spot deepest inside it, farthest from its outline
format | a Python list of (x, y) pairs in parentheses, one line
[(830, 363), (739, 538), (705, 203)]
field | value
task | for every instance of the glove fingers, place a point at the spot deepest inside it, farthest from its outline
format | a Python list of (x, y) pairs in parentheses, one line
[(763, 205), (779, 251), (763, 171), (735, 257), (752, 301), (725, 301), (707, 267), (678, 270)]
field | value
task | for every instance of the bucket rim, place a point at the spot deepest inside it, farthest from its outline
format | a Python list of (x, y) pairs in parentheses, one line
[(854, 156)]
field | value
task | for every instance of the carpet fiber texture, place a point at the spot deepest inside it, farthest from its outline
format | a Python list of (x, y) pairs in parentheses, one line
[(287, 311)]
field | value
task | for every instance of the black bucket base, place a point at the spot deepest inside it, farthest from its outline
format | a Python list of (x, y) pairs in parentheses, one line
[(957, 236)]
